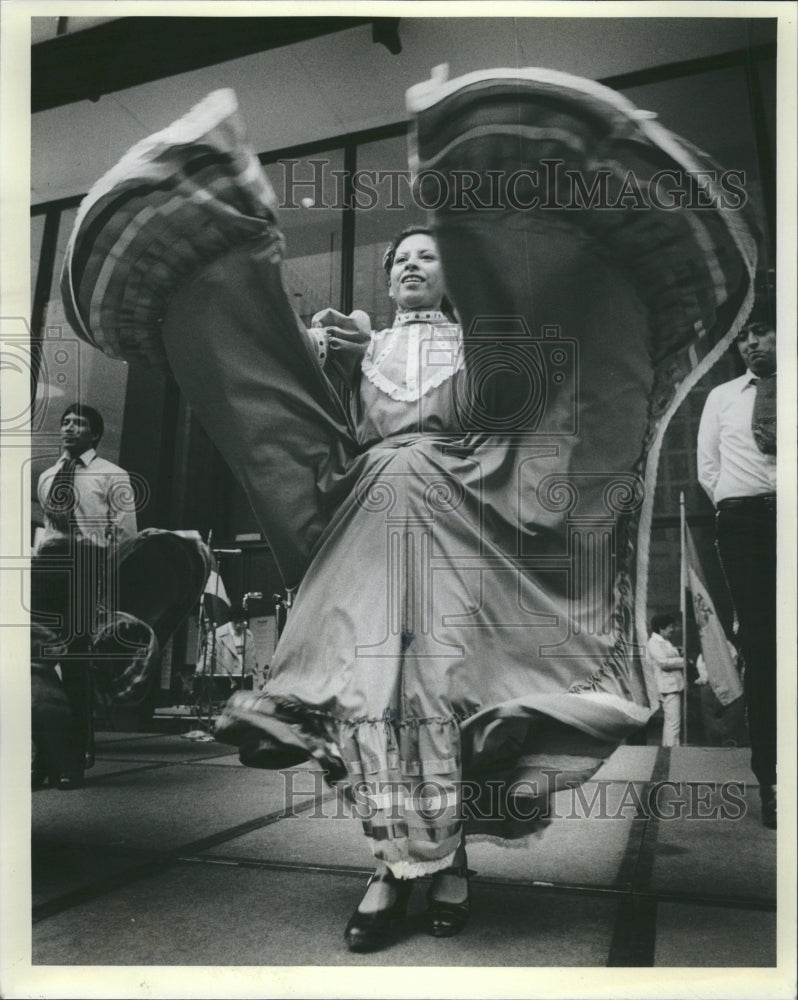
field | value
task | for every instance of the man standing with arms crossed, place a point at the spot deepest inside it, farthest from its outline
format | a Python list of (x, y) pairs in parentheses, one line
[(737, 468)]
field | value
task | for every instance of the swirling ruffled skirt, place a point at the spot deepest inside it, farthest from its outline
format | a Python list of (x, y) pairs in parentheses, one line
[(464, 638)]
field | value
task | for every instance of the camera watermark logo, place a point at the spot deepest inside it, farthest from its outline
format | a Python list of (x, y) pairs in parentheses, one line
[(517, 382), (552, 562), (36, 373)]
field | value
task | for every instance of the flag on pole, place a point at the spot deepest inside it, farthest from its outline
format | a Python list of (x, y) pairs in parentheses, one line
[(214, 586), (217, 603), (718, 659)]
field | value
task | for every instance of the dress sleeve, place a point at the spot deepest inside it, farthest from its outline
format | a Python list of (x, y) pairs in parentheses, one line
[(340, 342)]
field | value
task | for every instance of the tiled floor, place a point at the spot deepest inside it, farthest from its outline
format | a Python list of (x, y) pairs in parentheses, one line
[(173, 854)]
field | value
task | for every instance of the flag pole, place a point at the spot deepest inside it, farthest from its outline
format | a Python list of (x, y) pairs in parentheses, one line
[(683, 608)]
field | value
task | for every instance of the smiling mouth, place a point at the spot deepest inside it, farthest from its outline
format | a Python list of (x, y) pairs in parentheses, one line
[(412, 279)]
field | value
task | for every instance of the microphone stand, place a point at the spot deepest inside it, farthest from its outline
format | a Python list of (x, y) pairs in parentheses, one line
[(249, 596), (278, 609), (282, 606), (211, 691), (207, 628)]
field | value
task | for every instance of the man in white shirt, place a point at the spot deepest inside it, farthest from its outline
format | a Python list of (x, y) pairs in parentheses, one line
[(88, 504), (100, 504), (737, 468), (104, 598), (668, 663)]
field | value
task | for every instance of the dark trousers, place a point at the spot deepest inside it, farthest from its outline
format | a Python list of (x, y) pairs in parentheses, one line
[(76, 679), (746, 539), (65, 582)]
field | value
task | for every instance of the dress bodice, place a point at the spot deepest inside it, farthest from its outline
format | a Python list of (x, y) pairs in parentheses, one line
[(405, 380)]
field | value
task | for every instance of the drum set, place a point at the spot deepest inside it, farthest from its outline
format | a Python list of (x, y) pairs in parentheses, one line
[(225, 661)]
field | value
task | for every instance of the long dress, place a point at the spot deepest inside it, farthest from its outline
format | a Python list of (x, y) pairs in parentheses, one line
[(465, 523), (451, 605)]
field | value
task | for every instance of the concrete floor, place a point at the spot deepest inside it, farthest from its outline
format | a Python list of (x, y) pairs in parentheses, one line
[(175, 855)]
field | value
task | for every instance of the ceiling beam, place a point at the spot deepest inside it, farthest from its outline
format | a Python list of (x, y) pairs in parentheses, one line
[(129, 51)]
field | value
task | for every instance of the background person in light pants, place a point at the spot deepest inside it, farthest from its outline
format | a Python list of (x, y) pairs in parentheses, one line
[(669, 665)]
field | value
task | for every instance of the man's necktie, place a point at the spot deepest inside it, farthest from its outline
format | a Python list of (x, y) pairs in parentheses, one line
[(62, 498), (763, 421)]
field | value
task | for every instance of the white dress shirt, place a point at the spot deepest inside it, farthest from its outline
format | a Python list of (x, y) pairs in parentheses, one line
[(668, 663), (729, 462), (104, 499)]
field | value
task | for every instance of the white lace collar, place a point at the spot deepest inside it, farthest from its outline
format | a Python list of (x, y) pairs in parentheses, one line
[(421, 351)]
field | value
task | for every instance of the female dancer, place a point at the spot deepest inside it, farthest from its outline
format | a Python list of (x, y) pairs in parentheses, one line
[(466, 524)]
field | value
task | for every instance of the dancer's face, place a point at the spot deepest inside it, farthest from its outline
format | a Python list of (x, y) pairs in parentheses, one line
[(416, 275), (757, 344)]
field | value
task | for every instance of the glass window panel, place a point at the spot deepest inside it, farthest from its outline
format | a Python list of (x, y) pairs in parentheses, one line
[(767, 81), (309, 194), (384, 206), (36, 233), (679, 468), (676, 431), (713, 110)]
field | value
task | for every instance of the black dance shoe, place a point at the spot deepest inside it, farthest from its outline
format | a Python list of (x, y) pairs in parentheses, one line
[(444, 919), (69, 781), (369, 931)]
